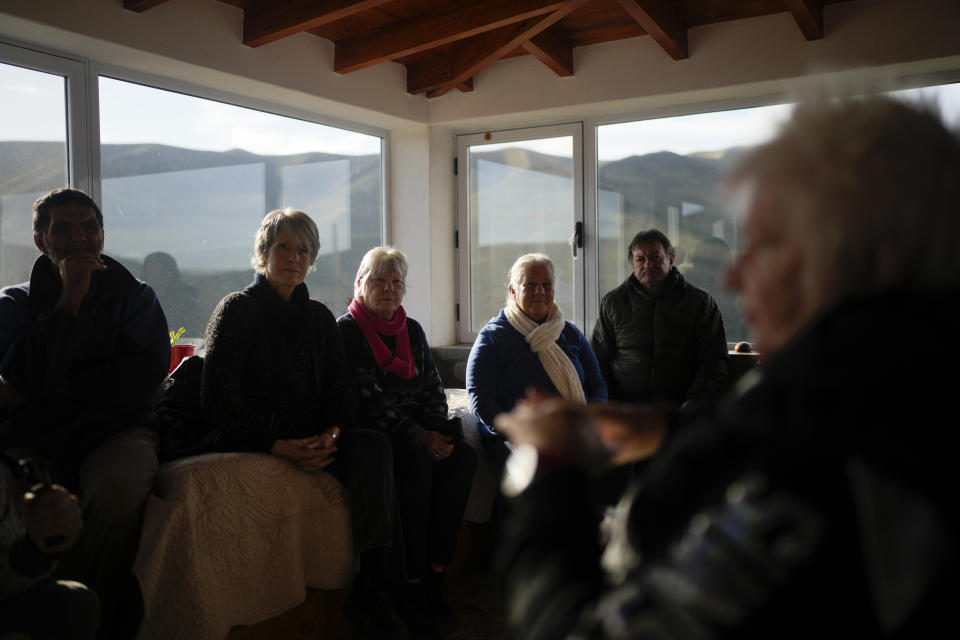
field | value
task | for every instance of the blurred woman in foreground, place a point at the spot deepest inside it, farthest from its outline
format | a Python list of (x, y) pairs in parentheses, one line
[(820, 494)]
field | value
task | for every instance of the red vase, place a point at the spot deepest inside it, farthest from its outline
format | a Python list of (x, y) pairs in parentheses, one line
[(178, 353)]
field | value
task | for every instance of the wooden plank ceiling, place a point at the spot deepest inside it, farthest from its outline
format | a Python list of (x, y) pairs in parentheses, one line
[(445, 43)]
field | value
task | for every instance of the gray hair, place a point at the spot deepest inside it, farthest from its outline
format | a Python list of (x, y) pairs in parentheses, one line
[(521, 264), (872, 186), (380, 260), (293, 220)]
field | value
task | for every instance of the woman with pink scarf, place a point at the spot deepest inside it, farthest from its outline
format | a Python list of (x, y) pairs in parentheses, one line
[(400, 393)]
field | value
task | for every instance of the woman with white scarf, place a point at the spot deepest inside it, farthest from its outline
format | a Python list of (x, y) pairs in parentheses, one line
[(529, 345)]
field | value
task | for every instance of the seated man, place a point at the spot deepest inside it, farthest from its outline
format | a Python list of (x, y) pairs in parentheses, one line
[(29, 546), (819, 494), (659, 338), (83, 346)]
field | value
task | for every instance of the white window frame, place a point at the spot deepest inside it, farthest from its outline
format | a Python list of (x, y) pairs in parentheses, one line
[(82, 172), (471, 139)]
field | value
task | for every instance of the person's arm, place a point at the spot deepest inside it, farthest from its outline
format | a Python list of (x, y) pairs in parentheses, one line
[(550, 556), (38, 353), (594, 386), (140, 361), (338, 393), (713, 361), (243, 425), (433, 398), (604, 346), (481, 379)]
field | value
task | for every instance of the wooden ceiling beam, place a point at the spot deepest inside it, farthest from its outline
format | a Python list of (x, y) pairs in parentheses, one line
[(464, 87), (465, 19), (551, 51), (482, 51), (272, 21), (661, 21), (809, 17), (141, 5)]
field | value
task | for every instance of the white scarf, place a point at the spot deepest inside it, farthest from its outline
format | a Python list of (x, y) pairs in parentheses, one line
[(542, 339)]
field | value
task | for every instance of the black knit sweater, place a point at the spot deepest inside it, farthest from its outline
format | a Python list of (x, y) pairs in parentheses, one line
[(261, 379)]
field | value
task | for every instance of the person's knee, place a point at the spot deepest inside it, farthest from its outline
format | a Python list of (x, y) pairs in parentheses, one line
[(78, 607), (119, 475), (372, 447)]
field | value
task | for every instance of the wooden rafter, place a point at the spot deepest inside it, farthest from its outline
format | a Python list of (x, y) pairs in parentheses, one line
[(551, 51), (484, 50), (141, 5), (273, 21), (809, 17), (661, 21), (420, 33)]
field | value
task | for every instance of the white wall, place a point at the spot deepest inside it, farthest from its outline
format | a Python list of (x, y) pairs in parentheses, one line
[(410, 232), (198, 41)]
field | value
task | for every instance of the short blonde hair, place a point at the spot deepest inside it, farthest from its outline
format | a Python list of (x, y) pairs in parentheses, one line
[(521, 264), (380, 260), (293, 220)]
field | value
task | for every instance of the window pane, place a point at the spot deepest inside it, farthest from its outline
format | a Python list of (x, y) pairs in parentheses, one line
[(33, 159), (664, 173), (186, 182), (521, 201)]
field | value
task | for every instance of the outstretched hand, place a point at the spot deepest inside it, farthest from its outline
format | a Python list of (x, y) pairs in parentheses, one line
[(584, 434)]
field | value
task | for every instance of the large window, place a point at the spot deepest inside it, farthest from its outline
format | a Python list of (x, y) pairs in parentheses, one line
[(183, 181), (664, 173), (186, 182)]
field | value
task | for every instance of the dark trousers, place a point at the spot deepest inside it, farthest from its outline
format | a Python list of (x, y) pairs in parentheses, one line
[(364, 464), (114, 482), (433, 496)]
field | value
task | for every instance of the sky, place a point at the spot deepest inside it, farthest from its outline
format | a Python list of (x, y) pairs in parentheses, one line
[(33, 109)]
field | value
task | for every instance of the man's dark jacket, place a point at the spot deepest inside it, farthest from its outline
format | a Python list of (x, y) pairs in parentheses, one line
[(83, 377), (669, 347)]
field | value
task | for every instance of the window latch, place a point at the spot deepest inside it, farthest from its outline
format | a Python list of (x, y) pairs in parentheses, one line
[(576, 240)]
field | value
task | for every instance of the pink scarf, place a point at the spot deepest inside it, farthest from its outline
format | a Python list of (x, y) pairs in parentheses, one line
[(372, 326)]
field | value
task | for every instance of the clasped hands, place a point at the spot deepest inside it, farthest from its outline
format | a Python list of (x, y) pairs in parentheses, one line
[(584, 435), (309, 454)]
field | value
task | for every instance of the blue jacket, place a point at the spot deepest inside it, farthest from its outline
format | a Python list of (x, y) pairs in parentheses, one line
[(502, 367), (86, 377)]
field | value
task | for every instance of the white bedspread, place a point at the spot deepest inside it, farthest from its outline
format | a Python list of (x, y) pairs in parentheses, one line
[(236, 538)]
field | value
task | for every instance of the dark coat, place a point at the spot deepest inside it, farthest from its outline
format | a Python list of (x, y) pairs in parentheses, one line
[(669, 347), (820, 492), (261, 380), (400, 408), (85, 377)]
